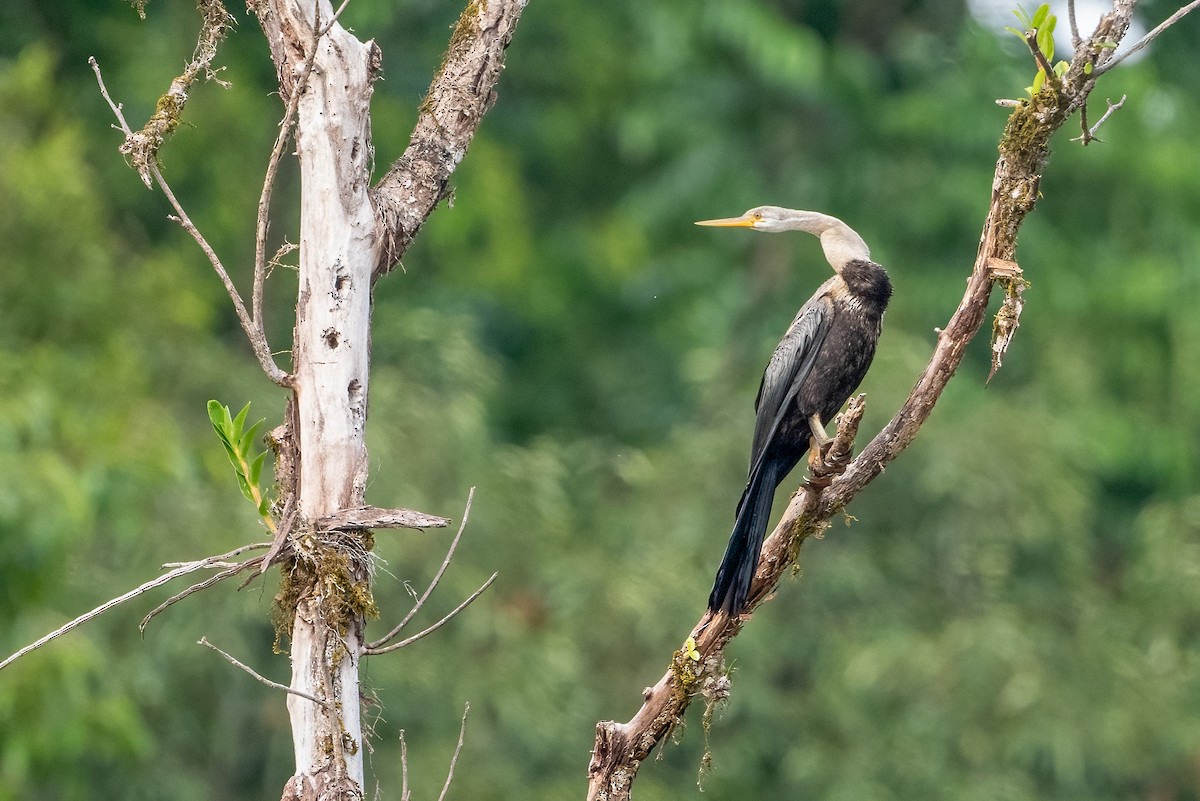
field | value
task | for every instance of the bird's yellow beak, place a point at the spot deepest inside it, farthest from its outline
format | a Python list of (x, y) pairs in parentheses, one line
[(745, 221)]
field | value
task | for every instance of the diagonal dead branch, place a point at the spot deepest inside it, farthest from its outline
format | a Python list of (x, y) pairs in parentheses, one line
[(372, 651), (181, 570), (461, 93), (204, 641), (384, 640), (262, 350), (198, 587), (1150, 37), (142, 147), (1024, 147), (287, 522)]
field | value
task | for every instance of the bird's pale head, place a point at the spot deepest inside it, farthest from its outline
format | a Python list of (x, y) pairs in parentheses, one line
[(760, 218), (840, 242)]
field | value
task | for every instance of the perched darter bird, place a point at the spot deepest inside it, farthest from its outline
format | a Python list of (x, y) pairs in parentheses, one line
[(815, 368)]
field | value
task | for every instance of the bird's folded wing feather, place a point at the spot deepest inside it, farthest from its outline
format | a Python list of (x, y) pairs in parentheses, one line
[(789, 366)]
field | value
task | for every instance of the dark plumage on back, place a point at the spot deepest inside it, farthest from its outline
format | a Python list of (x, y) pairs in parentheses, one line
[(815, 368)]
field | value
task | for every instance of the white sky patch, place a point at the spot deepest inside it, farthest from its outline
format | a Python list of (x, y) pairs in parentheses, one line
[(996, 14)]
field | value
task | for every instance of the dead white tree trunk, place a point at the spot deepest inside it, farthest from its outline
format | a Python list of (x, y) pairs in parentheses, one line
[(349, 235), (331, 365)]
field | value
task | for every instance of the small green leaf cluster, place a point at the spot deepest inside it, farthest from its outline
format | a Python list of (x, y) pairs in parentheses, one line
[(1041, 24), (239, 447)]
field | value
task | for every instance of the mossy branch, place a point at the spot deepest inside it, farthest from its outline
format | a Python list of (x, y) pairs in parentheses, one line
[(142, 147), (458, 98), (1023, 149)]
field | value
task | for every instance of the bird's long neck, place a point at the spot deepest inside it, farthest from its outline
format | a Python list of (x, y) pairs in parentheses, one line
[(841, 243)]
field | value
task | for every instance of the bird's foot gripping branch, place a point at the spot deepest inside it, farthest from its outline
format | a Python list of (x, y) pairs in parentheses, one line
[(826, 464)]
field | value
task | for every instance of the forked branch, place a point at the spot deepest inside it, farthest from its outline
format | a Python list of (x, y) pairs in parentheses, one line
[(250, 326), (385, 639), (381, 645)]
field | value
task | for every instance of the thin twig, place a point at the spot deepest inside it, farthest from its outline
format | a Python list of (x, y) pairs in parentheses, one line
[(1085, 134), (1148, 38), (1040, 58), (405, 794), (372, 651), (197, 587), (264, 199), (335, 16), (287, 520), (436, 578), (1109, 112), (462, 730), (204, 641), (1089, 134), (182, 570), (261, 350), (1076, 39)]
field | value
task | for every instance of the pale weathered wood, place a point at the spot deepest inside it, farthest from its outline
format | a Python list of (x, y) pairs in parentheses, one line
[(331, 364), (348, 234), (371, 517)]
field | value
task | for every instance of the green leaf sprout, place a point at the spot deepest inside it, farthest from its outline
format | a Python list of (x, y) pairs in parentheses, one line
[(239, 447)]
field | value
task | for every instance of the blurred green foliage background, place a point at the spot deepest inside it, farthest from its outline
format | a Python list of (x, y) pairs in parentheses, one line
[(1014, 615)]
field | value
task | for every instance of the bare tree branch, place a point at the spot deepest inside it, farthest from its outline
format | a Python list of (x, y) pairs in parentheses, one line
[(264, 201), (198, 587), (1148, 38), (371, 651), (405, 794), (384, 640), (1024, 146), (204, 641), (142, 147), (1076, 40), (182, 570), (461, 93), (1089, 134), (462, 730), (374, 517), (257, 342)]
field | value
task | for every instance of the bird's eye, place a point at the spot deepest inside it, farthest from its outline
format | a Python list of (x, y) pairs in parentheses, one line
[(756, 216)]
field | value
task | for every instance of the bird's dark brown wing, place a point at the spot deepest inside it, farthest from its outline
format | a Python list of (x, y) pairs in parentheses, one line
[(789, 366)]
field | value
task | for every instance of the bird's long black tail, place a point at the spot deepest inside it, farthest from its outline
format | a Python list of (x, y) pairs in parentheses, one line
[(732, 584)]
